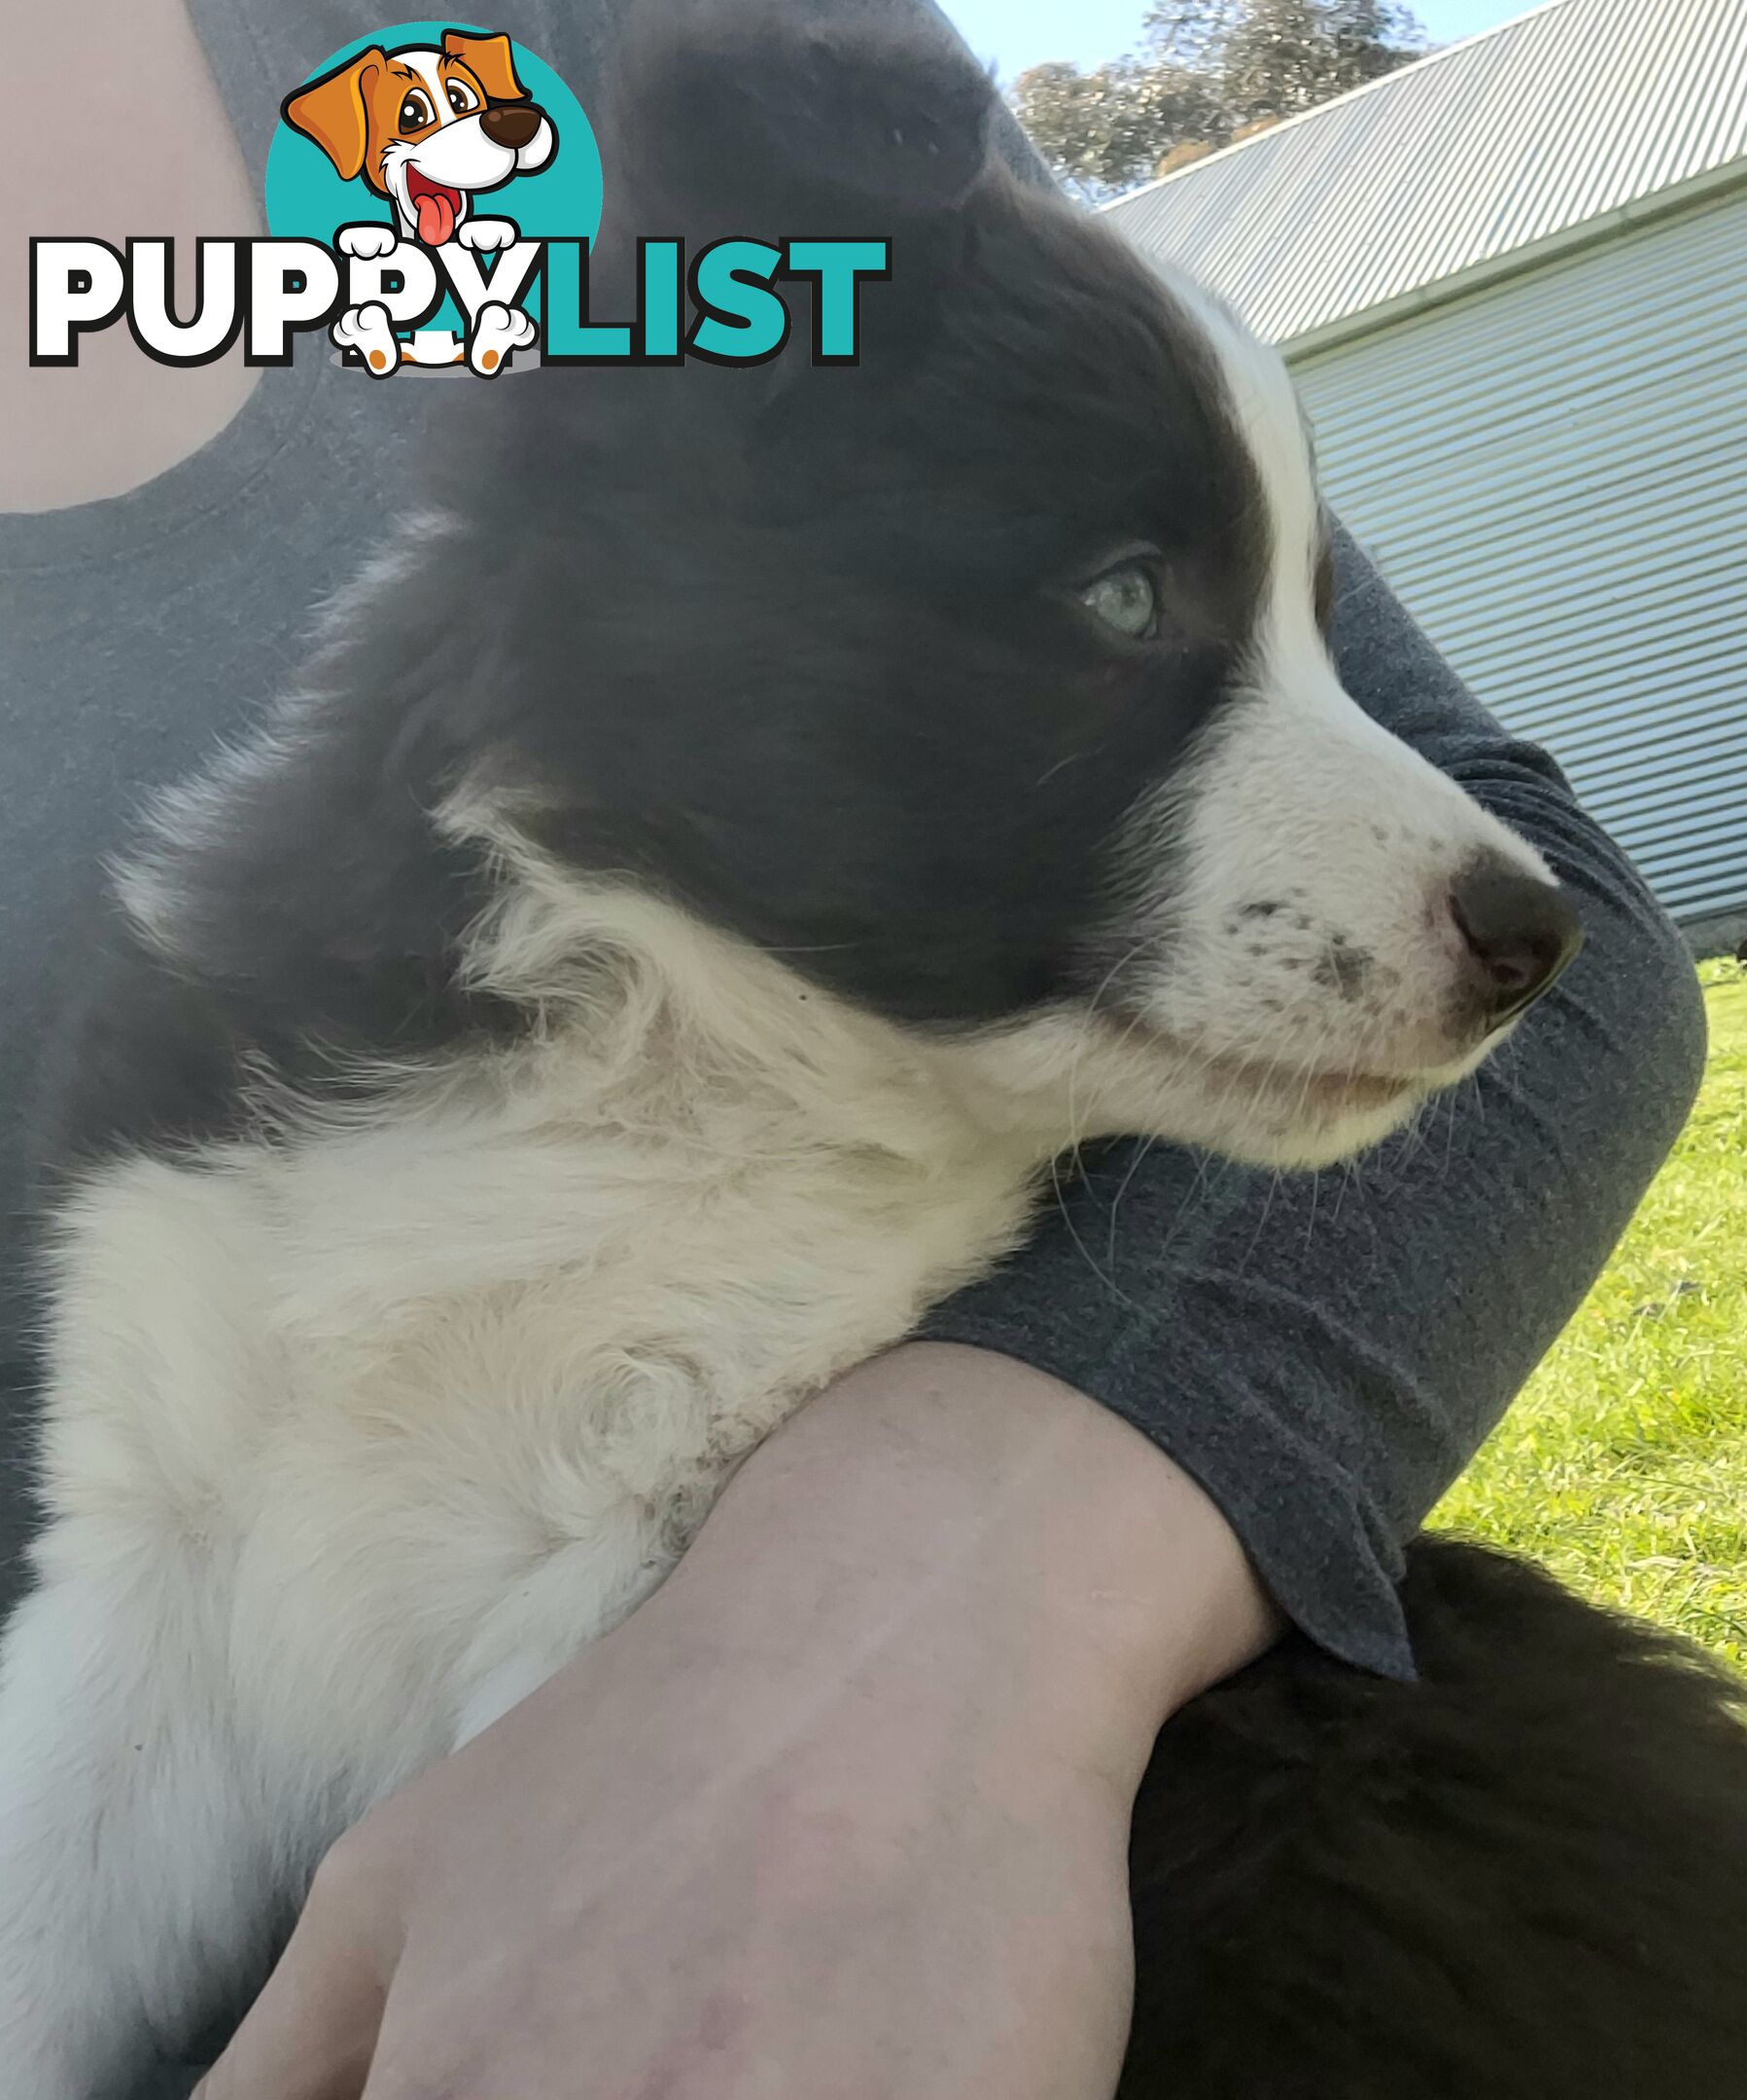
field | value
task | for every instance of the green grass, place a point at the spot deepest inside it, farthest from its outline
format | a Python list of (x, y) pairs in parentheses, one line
[(1624, 1465)]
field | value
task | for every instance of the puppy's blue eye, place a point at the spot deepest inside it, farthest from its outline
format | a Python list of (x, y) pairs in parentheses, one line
[(1125, 598)]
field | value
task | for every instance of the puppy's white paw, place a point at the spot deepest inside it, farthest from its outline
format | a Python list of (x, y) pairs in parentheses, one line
[(365, 328), (366, 242), (485, 234), (498, 330)]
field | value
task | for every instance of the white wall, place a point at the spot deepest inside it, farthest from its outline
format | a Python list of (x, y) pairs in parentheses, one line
[(1554, 475)]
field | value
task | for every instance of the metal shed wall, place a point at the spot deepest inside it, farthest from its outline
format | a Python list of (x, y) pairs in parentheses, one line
[(1554, 474)]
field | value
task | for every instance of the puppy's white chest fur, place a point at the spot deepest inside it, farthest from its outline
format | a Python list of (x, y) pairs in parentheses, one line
[(430, 1396)]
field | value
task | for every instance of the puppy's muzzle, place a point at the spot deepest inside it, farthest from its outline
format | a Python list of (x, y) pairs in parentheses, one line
[(513, 126)]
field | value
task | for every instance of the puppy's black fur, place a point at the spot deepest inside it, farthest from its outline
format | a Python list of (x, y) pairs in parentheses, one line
[(799, 646), (1523, 1878)]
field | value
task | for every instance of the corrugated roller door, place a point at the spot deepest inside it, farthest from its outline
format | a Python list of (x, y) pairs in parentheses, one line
[(1554, 475)]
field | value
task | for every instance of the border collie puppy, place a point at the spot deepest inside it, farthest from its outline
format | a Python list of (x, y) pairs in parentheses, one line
[(716, 858)]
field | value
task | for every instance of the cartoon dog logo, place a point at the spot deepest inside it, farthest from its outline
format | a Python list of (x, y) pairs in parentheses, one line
[(429, 128)]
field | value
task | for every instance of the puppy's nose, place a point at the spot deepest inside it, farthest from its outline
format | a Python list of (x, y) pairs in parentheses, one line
[(511, 124), (1520, 934)]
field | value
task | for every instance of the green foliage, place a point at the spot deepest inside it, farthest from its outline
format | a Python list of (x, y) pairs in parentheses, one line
[(1101, 130), (1207, 69), (1624, 1464)]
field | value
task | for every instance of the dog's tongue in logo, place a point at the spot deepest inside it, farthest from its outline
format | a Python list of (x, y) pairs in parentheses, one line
[(437, 207)]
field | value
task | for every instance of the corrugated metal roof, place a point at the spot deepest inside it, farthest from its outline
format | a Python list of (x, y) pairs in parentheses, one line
[(1497, 145)]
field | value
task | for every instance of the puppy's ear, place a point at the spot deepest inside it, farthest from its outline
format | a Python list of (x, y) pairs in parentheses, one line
[(490, 60), (333, 110), (786, 118)]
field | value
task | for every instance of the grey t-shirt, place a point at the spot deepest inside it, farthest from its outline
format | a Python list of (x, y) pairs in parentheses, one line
[(1323, 1354)]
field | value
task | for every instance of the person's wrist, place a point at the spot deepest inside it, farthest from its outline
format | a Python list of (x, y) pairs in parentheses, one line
[(950, 1535)]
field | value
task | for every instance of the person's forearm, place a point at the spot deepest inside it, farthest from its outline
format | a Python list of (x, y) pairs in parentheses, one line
[(843, 1808), (960, 1516)]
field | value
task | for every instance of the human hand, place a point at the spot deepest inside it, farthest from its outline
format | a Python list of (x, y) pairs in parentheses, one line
[(842, 1811)]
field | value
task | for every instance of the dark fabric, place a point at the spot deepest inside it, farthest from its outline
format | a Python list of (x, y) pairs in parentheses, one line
[(1324, 1354)]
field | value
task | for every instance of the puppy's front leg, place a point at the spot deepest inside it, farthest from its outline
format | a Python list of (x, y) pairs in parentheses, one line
[(136, 1888)]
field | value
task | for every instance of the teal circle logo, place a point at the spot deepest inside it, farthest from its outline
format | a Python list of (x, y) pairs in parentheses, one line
[(330, 170)]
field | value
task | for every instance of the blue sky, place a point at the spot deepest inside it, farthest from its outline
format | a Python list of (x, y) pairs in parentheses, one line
[(1018, 33)]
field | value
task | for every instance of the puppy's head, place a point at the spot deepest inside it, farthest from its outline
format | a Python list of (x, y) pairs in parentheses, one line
[(988, 683), (427, 127)]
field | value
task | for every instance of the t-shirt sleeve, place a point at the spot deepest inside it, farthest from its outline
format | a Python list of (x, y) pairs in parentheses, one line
[(1325, 1352)]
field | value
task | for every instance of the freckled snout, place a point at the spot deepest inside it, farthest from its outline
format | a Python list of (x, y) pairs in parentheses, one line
[(511, 124), (1518, 935)]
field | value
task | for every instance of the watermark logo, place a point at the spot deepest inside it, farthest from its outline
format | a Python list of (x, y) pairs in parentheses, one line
[(437, 161), (432, 194)]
